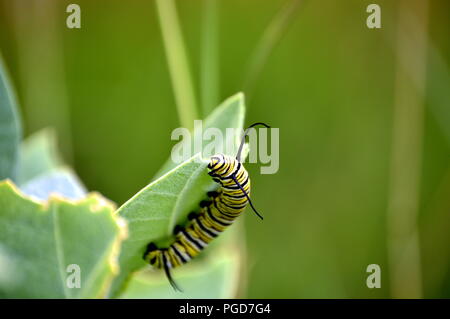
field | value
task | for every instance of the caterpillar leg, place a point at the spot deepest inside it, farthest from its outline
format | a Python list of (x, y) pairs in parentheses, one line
[(213, 194), (150, 248), (205, 203), (177, 229), (156, 257), (169, 276), (192, 215)]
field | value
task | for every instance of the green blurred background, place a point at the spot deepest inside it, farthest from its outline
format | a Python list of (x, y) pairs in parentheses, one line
[(355, 133)]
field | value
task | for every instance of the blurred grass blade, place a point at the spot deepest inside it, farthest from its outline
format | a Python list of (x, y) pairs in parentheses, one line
[(438, 89), (406, 157), (438, 73), (436, 239), (10, 127), (268, 41), (42, 68), (210, 57), (178, 63)]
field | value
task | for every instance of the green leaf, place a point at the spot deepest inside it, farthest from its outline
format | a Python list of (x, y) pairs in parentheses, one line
[(177, 60), (216, 278), (154, 211), (41, 170), (39, 241), (38, 155), (61, 181), (10, 128), (9, 278), (229, 114)]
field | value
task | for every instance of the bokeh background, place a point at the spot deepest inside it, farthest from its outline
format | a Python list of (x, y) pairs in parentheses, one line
[(364, 118)]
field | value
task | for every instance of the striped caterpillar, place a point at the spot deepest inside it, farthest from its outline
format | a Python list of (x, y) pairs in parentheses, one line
[(215, 215)]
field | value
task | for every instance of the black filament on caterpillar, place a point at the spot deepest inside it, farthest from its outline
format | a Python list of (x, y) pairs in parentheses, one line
[(214, 216)]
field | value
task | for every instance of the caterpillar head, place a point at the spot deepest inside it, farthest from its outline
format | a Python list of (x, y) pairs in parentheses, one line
[(151, 255), (216, 160)]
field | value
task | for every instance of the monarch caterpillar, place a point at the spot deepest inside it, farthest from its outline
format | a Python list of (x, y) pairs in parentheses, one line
[(215, 215)]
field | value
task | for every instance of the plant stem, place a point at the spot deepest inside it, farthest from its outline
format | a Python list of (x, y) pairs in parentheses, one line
[(406, 157), (178, 63), (210, 57), (42, 69), (273, 33)]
